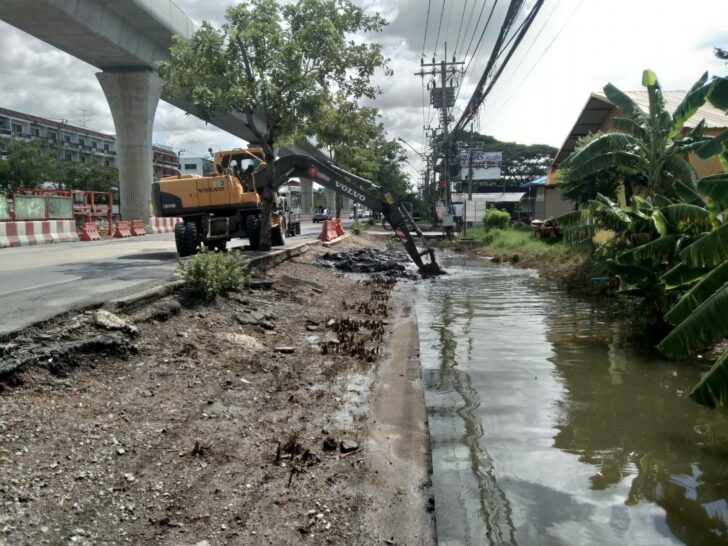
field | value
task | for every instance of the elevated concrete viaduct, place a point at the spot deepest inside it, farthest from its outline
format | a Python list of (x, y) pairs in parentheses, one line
[(125, 39)]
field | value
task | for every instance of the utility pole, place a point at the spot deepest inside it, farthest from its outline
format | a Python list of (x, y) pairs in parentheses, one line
[(443, 98)]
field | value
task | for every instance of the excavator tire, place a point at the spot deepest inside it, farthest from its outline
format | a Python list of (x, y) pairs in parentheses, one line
[(252, 224), (278, 235), (185, 238)]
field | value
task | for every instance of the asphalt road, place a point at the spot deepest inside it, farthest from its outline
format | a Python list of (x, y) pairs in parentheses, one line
[(39, 282)]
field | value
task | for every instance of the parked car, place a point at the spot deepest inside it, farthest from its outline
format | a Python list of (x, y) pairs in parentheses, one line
[(320, 215)]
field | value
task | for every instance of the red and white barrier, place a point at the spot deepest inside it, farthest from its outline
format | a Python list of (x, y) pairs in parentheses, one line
[(37, 232), (163, 225)]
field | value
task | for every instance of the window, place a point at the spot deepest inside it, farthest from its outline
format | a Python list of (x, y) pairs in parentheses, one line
[(52, 136), (106, 147), (190, 166), (94, 144), (17, 129), (67, 138), (81, 142), (69, 156), (35, 131)]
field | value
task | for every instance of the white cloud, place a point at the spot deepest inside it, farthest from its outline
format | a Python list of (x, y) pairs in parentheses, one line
[(605, 40)]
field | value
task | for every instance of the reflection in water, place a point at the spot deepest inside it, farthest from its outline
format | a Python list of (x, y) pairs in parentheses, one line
[(549, 426)]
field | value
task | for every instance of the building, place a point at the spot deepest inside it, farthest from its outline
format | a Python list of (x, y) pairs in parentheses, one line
[(472, 208), (164, 161), (73, 143), (195, 165), (76, 143), (597, 115)]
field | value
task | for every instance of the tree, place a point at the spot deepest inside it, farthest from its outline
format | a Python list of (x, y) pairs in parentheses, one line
[(648, 145), (284, 62), (26, 165)]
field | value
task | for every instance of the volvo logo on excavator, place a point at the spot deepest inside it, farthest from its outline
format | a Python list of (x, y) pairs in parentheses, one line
[(350, 192), (313, 172)]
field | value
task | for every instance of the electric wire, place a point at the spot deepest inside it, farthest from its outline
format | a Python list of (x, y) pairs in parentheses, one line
[(470, 20), (501, 108), (530, 47), (462, 18), (427, 23), (439, 26)]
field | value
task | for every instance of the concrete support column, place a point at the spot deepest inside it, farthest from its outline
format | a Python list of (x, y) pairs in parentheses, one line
[(133, 96), (331, 201), (307, 197), (345, 207)]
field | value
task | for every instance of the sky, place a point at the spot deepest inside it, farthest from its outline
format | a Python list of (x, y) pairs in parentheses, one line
[(574, 47)]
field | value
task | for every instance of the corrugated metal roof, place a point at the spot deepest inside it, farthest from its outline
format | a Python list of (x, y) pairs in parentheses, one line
[(540, 181), (598, 108), (500, 197), (714, 117)]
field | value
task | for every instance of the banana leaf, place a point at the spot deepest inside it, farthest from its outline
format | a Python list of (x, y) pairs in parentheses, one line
[(629, 126), (687, 193), (715, 187), (573, 219), (703, 327), (686, 214), (719, 95), (683, 274), (710, 250), (680, 169), (714, 146), (712, 389), (694, 99), (661, 200), (659, 248), (578, 234), (604, 144), (623, 102), (660, 223), (694, 297)]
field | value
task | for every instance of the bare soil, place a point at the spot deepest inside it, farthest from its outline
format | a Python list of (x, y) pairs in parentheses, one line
[(194, 423)]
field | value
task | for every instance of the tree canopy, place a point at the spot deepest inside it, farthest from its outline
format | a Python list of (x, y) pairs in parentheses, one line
[(29, 164), (286, 63)]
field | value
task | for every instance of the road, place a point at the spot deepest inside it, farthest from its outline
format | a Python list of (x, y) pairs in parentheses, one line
[(39, 282)]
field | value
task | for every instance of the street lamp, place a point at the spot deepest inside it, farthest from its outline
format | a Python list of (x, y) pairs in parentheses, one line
[(411, 147)]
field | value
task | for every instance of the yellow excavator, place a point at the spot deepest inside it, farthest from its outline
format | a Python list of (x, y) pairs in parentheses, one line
[(227, 203), (221, 205)]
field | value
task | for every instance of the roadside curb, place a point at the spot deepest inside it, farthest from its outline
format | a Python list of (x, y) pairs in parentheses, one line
[(146, 296), (275, 258)]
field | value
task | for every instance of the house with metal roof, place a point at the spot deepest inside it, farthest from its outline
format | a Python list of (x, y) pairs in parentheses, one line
[(597, 115)]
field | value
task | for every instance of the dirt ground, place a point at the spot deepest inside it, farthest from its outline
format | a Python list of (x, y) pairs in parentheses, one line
[(240, 421)]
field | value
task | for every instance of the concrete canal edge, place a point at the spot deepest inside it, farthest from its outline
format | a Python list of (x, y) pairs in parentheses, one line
[(398, 445)]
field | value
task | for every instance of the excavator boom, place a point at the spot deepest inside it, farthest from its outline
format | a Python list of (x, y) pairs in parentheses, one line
[(361, 191)]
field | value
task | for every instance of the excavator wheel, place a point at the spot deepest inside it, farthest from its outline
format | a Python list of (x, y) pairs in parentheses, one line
[(253, 228), (185, 238), (278, 234)]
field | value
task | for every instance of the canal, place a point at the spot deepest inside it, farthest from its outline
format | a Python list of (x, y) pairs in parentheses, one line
[(550, 425)]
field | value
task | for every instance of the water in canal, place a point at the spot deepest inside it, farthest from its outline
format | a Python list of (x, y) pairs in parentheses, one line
[(549, 426)]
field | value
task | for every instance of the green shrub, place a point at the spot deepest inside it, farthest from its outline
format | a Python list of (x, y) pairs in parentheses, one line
[(211, 273), (370, 221), (357, 227), (496, 219)]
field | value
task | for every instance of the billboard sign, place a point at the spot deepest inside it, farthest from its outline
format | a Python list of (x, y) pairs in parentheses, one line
[(486, 165)]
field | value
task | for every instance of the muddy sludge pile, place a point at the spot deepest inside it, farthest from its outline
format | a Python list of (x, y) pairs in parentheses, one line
[(392, 264)]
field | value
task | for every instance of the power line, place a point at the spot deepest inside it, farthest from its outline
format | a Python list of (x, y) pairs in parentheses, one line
[(427, 23), (543, 53), (470, 20), (481, 92), (439, 26), (462, 18), (475, 30), (530, 47)]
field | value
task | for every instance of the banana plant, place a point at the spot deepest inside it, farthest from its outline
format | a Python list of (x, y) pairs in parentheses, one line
[(651, 145)]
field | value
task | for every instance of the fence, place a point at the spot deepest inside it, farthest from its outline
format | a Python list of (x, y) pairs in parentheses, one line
[(37, 207)]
